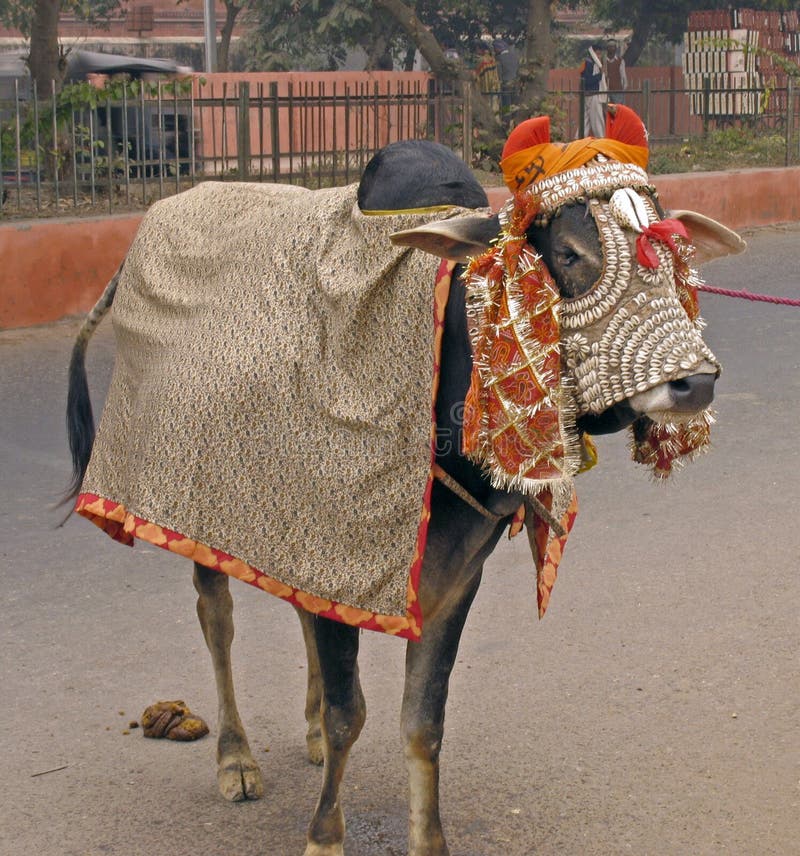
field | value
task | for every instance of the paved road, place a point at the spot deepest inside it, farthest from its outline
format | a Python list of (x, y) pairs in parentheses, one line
[(655, 710)]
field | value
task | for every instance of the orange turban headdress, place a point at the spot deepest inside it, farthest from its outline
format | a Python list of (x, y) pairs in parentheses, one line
[(529, 156)]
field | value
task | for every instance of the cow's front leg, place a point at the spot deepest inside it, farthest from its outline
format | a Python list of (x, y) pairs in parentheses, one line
[(343, 715), (428, 666), (313, 690), (238, 775)]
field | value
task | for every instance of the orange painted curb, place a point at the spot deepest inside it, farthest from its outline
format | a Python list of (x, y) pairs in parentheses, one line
[(52, 269), (739, 199)]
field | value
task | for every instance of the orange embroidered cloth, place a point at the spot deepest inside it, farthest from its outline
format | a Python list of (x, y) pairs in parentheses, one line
[(518, 418), (546, 546)]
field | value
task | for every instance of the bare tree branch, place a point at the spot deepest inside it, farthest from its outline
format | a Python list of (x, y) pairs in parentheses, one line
[(224, 49), (423, 38), (483, 115), (538, 59)]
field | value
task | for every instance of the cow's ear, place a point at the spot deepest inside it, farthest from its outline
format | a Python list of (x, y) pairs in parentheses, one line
[(711, 239), (458, 239)]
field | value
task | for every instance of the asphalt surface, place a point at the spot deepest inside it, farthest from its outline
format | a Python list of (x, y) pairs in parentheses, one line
[(654, 711)]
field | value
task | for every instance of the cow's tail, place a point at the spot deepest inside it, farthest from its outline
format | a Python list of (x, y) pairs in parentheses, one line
[(80, 419)]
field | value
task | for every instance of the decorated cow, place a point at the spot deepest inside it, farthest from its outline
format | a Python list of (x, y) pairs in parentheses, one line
[(351, 424)]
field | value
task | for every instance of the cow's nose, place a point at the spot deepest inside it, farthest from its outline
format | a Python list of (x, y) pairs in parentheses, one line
[(692, 393)]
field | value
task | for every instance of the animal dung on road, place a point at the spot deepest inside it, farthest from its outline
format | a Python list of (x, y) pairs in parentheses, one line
[(173, 720)]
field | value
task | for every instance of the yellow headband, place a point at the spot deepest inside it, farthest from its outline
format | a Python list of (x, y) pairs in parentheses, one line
[(428, 209), (535, 163)]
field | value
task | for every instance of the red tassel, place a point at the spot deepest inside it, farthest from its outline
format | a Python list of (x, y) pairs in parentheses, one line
[(645, 253), (662, 231)]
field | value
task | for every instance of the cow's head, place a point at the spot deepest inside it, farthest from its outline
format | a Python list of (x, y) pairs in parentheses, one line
[(630, 337)]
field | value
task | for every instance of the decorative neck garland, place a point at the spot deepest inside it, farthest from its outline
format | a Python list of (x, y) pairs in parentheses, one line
[(519, 414)]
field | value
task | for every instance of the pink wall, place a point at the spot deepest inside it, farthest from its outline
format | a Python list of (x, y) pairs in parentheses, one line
[(312, 129), (298, 127)]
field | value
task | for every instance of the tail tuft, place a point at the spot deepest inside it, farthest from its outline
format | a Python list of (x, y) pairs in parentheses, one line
[(80, 419)]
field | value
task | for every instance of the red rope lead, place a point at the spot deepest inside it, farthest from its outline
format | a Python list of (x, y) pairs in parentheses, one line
[(746, 295)]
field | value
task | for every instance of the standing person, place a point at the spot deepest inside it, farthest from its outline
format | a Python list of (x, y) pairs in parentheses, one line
[(487, 74), (594, 88), (508, 66), (616, 78)]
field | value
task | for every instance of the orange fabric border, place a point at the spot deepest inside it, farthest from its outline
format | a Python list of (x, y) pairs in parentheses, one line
[(549, 552), (123, 526)]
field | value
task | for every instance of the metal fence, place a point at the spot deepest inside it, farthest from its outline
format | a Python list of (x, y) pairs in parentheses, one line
[(672, 114), (124, 154), (128, 152)]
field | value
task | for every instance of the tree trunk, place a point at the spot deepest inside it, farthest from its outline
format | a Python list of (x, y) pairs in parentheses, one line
[(376, 53), (642, 30), (45, 62), (422, 37), (535, 66), (483, 117), (224, 47)]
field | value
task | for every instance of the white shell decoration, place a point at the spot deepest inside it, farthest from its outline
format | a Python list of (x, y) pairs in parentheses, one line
[(628, 209)]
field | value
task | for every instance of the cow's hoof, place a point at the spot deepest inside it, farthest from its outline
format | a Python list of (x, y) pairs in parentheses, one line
[(433, 845), (314, 746), (436, 850), (324, 849), (240, 780)]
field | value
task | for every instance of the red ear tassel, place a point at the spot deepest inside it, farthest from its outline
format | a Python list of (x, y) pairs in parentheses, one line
[(663, 231), (624, 125), (531, 132)]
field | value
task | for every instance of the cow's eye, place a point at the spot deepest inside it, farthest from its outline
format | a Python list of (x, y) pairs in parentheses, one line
[(568, 257)]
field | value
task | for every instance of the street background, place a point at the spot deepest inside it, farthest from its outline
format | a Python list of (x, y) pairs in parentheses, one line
[(654, 711)]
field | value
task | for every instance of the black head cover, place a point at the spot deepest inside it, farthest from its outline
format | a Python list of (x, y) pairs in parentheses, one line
[(418, 174)]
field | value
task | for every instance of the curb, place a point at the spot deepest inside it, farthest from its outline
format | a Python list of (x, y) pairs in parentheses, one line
[(54, 269), (740, 199)]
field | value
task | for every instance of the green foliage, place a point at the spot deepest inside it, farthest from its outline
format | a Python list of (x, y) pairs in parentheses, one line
[(71, 100), (82, 95), (668, 18), (727, 148), (316, 34), (288, 34), (460, 24), (19, 13)]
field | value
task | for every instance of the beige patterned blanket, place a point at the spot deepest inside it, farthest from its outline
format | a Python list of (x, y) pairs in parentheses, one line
[(270, 408)]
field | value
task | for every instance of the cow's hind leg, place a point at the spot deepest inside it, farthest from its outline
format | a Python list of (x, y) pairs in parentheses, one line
[(428, 666), (238, 775), (313, 691), (343, 715)]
